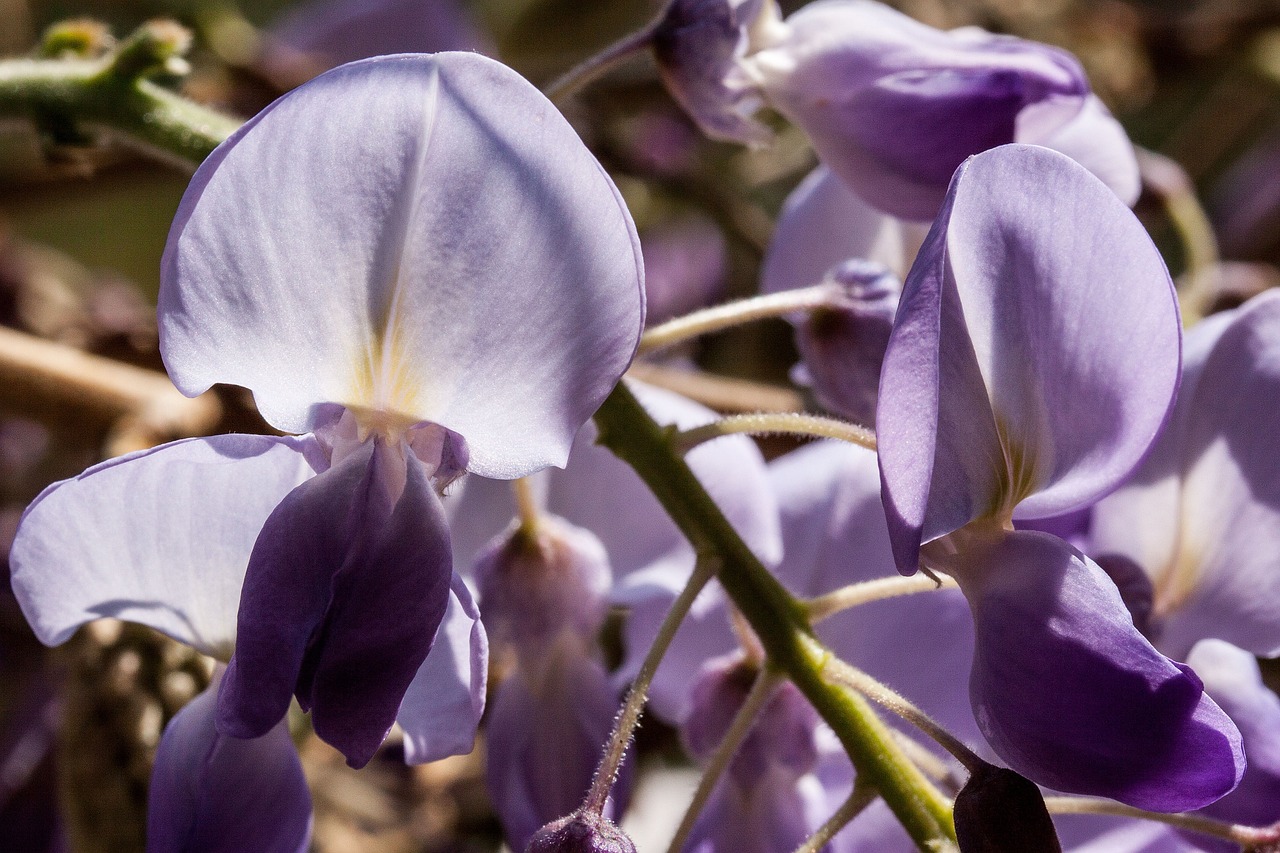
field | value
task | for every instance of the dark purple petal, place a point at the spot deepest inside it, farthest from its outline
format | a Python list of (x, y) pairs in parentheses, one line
[(341, 602), (1071, 695), (696, 47), (998, 811), (546, 732), (1035, 352), (211, 793), (893, 106)]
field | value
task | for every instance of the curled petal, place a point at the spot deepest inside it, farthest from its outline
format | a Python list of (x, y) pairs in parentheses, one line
[(697, 46), (442, 707), (1070, 695), (544, 742), (160, 537), (422, 256), (1095, 140), (341, 602), (1035, 353), (1202, 516), (211, 793), (821, 224), (893, 106)]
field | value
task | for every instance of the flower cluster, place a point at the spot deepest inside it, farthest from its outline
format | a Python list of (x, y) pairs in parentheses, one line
[(1052, 562)]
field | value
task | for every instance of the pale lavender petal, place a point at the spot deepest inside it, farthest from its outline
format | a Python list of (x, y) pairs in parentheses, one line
[(422, 255), (1208, 499), (545, 740), (161, 537), (696, 47), (1095, 140), (341, 603), (893, 106), (821, 224), (834, 534), (211, 793), (1069, 694), (331, 32), (1132, 836), (1035, 354), (442, 707), (1232, 678), (777, 814)]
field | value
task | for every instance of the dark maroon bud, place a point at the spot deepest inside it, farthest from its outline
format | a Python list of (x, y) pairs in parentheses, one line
[(999, 811), (584, 831)]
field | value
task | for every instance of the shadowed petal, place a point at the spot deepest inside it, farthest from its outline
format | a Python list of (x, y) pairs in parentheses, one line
[(545, 740), (422, 255), (442, 707), (894, 106), (1095, 140), (160, 537), (1035, 353), (1071, 695), (211, 793), (821, 224), (341, 603), (1202, 517)]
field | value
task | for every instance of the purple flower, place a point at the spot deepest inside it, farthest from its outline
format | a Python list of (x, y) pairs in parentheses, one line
[(893, 106), (423, 288), (216, 794), (1033, 360)]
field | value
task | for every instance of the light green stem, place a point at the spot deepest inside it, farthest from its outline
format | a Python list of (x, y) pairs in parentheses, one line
[(778, 619), (857, 594), (777, 423), (859, 798)]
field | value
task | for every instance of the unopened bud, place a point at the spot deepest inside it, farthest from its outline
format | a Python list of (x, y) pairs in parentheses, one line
[(999, 811), (583, 831)]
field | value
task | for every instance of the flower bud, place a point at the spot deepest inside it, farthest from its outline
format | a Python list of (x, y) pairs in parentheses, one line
[(998, 811), (583, 831), (842, 346)]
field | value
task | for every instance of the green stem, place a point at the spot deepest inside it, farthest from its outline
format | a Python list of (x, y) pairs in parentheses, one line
[(776, 423), (92, 94), (778, 619)]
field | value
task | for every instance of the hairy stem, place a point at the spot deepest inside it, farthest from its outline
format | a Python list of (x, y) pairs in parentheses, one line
[(737, 313), (778, 619), (854, 595), (1245, 836), (777, 423), (859, 798)]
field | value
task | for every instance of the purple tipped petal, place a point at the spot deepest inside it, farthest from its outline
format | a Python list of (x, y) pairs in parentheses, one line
[(423, 255), (211, 793), (821, 224), (893, 106), (545, 739), (697, 46), (341, 602), (1202, 517), (442, 707), (1035, 352), (160, 537), (1072, 696)]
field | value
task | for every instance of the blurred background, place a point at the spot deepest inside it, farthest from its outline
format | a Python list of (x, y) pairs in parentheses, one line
[(83, 222)]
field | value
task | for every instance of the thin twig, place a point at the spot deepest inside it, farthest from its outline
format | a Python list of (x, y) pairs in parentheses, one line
[(737, 313), (589, 69), (777, 423), (1245, 836), (722, 393), (854, 595), (859, 798)]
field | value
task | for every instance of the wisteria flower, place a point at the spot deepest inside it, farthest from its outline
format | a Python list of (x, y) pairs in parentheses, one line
[(420, 285), (1033, 360)]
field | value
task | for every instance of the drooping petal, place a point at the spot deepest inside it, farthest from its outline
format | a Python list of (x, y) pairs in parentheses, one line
[(697, 46), (1070, 695), (1095, 140), (442, 707), (545, 739), (211, 793), (1035, 352), (894, 106), (423, 255), (1202, 516), (821, 224), (161, 537), (341, 602)]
